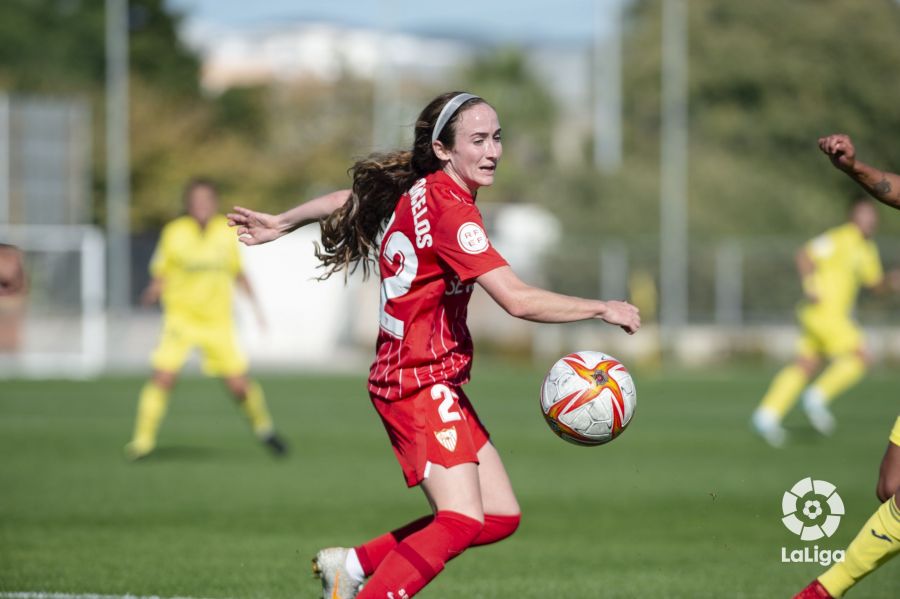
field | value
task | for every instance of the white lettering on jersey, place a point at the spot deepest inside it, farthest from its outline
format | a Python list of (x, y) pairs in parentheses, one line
[(472, 238), (419, 210)]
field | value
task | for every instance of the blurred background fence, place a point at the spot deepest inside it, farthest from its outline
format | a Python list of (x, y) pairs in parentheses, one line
[(275, 100)]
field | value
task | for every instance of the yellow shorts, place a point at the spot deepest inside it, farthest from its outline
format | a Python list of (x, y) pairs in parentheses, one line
[(895, 433), (217, 342), (828, 336)]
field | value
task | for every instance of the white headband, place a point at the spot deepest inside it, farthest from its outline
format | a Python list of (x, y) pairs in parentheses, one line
[(447, 113)]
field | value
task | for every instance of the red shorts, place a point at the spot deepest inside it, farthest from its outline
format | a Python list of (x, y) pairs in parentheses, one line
[(437, 425)]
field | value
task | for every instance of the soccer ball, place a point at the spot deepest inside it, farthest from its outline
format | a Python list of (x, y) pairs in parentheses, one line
[(588, 398)]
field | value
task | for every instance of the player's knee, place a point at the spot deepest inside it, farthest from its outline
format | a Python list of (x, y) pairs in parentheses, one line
[(887, 487), (808, 365), (238, 386), (866, 359), (881, 491), (462, 529), (500, 527), (164, 380)]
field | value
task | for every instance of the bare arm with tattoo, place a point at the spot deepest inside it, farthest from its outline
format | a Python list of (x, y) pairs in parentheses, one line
[(881, 185)]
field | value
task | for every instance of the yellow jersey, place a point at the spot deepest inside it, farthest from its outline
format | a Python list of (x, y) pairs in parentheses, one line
[(844, 260), (198, 267)]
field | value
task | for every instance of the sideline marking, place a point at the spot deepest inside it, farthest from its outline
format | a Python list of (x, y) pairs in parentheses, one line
[(41, 595)]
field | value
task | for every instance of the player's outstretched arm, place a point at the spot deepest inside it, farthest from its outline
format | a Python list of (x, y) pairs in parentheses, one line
[(254, 228), (539, 305), (881, 185)]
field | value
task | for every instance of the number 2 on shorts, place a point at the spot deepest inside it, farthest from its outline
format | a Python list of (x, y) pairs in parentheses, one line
[(445, 409)]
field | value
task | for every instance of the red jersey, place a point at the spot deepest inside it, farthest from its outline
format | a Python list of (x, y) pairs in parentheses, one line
[(433, 249)]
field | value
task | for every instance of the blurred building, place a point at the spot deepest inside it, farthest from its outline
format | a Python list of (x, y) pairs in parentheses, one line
[(286, 53), (294, 51)]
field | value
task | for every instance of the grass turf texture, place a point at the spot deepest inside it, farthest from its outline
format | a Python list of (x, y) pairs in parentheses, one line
[(687, 503)]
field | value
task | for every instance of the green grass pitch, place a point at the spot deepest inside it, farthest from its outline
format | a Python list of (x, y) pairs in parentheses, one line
[(687, 503)]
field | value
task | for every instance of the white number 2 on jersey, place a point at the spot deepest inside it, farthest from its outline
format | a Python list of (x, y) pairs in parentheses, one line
[(397, 248)]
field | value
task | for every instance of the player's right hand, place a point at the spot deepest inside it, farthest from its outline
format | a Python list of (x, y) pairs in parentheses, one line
[(839, 148), (254, 228), (623, 315), (892, 278), (151, 293)]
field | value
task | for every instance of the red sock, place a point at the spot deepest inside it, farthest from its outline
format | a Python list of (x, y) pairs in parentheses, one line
[(371, 554), (421, 556)]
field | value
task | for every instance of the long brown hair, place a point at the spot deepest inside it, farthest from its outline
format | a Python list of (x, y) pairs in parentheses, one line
[(349, 234)]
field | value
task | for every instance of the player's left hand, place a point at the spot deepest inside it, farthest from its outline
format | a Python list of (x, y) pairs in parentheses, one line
[(624, 315), (254, 228)]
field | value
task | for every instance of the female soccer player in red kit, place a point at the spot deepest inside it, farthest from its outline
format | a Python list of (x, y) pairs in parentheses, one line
[(433, 249)]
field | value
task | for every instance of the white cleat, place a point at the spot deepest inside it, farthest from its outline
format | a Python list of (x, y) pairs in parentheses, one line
[(767, 426), (330, 565), (818, 413), (137, 450)]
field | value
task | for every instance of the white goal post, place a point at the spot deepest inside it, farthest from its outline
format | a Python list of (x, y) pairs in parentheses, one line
[(63, 327)]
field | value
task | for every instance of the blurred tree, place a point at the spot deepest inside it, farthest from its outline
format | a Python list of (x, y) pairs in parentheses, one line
[(51, 45), (527, 116), (55, 46), (766, 79), (243, 110), (158, 56)]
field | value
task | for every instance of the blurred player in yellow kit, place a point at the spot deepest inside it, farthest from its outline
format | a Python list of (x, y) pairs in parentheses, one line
[(832, 268), (194, 270)]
